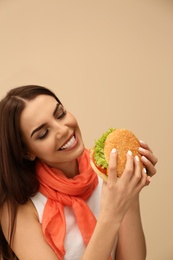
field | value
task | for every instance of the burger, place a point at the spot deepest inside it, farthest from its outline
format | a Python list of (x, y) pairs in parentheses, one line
[(122, 140)]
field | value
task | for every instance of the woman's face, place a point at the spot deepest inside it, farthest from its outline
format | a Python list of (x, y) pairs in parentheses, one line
[(50, 133)]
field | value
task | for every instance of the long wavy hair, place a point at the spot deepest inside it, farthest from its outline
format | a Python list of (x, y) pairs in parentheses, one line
[(18, 180)]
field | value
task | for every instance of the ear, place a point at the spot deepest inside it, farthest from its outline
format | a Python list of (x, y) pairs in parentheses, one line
[(29, 156)]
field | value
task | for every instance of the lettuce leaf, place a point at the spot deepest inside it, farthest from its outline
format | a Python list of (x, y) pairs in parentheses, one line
[(99, 150)]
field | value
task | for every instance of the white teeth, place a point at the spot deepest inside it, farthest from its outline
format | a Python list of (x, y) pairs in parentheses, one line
[(70, 142)]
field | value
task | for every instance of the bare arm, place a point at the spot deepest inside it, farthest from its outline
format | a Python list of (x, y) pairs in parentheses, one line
[(29, 242), (118, 211), (131, 242)]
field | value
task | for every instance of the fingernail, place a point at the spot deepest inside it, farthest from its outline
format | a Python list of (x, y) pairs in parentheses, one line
[(144, 170), (141, 149), (149, 178), (141, 141), (113, 150), (130, 152), (137, 158), (144, 158)]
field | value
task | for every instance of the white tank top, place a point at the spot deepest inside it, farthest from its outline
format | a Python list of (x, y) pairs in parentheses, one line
[(73, 244)]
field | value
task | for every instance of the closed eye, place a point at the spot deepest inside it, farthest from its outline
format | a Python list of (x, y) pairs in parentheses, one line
[(58, 113), (42, 136), (61, 112)]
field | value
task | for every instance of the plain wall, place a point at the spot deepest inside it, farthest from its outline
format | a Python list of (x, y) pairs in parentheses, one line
[(111, 64)]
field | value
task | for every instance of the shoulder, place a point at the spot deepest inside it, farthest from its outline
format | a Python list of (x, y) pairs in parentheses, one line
[(27, 211), (23, 214), (27, 232)]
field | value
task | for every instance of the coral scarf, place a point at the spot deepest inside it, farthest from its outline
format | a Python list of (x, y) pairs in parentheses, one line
[(62, 192)]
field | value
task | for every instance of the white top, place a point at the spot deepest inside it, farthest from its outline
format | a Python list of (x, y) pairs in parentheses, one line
[(73, 244)]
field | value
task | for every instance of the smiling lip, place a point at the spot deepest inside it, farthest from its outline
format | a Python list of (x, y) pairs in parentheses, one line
[(70, 144)]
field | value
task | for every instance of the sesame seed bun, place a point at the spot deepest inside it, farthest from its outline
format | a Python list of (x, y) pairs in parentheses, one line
[(123, 140)]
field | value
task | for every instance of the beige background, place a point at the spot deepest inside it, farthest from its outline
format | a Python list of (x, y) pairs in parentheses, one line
[(111, 64)]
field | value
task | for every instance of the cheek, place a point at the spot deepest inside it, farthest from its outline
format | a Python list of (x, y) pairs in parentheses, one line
[(42, 148), (71, 120)]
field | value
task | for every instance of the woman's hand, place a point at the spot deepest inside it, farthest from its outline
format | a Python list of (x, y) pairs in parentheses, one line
[(114, 226), (148, 158), (118, 193)]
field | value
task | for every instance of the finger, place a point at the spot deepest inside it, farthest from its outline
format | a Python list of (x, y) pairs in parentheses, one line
[(145, 146), (112, 168), (149, 155), (137, 175), (138, 170), (151, 170), (145, 179), (148, 180), (129, 167)]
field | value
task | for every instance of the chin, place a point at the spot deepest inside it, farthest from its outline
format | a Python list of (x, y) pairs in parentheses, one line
[(80, 150)]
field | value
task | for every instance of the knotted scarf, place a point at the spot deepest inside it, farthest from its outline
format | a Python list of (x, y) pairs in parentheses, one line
[(60, 192)]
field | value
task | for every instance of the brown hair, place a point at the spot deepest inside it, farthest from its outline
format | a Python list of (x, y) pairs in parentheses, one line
[(18, 180)]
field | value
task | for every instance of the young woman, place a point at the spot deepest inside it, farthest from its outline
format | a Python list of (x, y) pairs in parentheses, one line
[(52, 204)]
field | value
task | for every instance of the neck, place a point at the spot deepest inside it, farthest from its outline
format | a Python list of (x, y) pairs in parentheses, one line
[(70, 169)]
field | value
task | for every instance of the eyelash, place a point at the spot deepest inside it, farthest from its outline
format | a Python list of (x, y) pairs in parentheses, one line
[(64, 112), (43, 136)]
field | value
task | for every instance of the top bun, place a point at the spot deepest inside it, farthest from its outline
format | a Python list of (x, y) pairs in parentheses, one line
[(122, 140)]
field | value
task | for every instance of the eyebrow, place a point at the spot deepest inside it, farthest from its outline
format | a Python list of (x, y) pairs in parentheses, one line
[(43, 125)]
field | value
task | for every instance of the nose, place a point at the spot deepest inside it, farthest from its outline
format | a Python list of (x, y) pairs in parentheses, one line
[(61, 129)]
